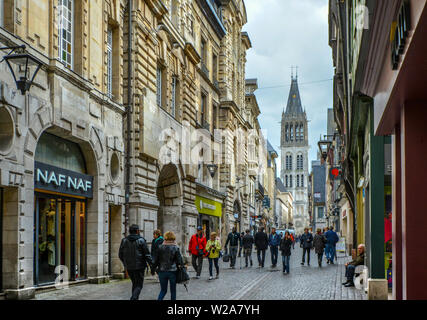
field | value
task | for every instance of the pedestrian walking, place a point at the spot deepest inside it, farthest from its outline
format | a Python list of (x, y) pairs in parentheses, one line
[(197, 249), (306, 244), (134, 254), (319, 242), (285, 248), (157, 241), (331, 242), (213, 247), (235, 241), (167, 260), (247, 243), (240, 248), (293, 240), (274, 242), (261, 244)]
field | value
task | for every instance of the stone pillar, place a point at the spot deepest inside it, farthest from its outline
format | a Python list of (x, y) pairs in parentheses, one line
[(397, 215), (414, 219), (17, 245)]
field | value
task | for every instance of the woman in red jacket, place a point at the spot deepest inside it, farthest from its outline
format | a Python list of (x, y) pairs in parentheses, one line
[(197, 249)]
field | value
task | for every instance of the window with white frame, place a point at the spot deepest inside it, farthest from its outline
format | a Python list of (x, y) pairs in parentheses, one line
[(65, 19), (110, 62)]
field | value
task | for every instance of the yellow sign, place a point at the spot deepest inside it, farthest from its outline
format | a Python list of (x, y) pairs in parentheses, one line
[(208, 206)]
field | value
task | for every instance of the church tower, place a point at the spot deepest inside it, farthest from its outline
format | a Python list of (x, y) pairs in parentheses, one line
[(294, 155)]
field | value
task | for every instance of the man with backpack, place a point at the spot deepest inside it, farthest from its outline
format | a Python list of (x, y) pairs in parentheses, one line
[(135, 255), (197, 249), (235, 241)]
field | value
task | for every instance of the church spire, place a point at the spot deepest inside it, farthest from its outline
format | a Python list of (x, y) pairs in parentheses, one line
[(294, 105)]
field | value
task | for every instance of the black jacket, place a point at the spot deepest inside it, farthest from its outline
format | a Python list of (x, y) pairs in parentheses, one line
[(307, 240), (247, 241), (261, 240), (134, 253), (234, 239), (285, 246), (167, 258)]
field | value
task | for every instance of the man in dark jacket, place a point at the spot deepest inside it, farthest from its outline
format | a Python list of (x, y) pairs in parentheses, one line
[(235, 241), (306, 244), (135, 255), (331, 242), (274, 242), (261, 244), (247, 243), (350, 267)]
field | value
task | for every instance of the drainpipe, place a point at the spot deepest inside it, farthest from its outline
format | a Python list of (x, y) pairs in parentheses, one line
[(128, 118)]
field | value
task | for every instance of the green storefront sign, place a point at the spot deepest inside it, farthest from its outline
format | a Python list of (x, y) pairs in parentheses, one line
[(208, 206)]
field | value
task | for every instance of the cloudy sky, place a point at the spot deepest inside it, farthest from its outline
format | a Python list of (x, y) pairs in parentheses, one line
[(287, 33)]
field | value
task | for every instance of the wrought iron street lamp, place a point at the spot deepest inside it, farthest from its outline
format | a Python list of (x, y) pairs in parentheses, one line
[(212, 168), (26, 68)]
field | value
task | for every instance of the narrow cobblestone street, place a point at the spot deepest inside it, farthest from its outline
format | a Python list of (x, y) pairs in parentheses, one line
[(303, 283)]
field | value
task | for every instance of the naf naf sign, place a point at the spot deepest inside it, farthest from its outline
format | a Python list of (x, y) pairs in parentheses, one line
[(60, 180)]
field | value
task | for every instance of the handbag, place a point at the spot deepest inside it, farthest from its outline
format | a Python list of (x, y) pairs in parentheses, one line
[(226, 257), (182, 276)]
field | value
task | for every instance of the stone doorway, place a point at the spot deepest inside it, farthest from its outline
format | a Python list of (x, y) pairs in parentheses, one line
[(169, 195)]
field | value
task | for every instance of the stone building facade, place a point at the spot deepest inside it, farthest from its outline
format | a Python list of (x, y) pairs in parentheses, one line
[(176, 78), (294, 155), (68, 127)]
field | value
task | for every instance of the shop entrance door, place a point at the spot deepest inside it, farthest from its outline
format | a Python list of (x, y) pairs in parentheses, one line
[(60, 238)]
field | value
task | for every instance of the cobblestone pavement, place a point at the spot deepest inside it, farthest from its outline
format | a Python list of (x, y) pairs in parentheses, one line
[(303, 283)]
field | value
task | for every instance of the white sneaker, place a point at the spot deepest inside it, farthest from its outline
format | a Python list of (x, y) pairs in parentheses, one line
[(210, 278)]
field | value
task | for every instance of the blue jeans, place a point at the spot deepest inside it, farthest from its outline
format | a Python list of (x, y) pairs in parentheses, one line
[(274, 253), (330, 252), (233, 252), (165, 277), (211, 262), (286, 261), (349, 272)]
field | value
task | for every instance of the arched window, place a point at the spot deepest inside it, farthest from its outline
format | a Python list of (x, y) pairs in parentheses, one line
[(290, 181), (290, 162), (297, 180), (58, 152), (302, 132), (302, 180), (292, 132), (287, 181)]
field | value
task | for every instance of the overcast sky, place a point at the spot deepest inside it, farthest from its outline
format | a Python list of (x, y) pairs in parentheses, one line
[(287, 33)]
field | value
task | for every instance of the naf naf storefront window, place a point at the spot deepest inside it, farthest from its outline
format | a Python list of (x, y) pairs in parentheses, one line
[(62, 190)]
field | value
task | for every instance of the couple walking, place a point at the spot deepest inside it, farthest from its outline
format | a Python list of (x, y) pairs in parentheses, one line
[(200, 248), (166, 258), (325, 242)]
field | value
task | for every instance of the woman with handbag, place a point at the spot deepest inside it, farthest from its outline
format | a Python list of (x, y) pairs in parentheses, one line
[(213, 247), (167, 260)]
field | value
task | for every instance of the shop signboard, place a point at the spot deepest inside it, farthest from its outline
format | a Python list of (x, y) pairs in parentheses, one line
[(51, 178), (208, 206)]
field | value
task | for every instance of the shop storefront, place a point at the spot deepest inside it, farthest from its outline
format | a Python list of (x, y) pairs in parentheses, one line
[(62, 189), (210, 212)]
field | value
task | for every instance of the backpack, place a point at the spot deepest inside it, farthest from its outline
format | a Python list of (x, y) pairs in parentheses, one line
[(182, 276)]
